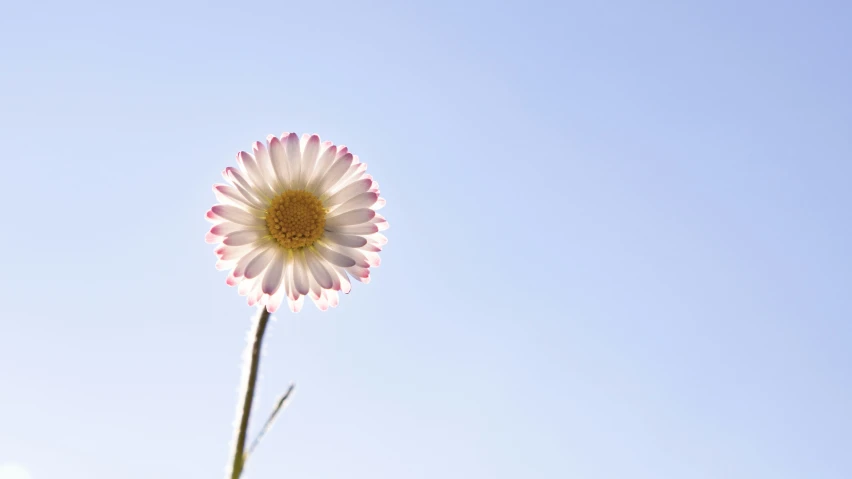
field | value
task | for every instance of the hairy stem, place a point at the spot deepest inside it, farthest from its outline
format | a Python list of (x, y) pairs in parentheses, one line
[(248, 398)]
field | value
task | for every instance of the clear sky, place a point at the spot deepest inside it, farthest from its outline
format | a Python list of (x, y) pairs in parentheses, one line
[(619, 245)]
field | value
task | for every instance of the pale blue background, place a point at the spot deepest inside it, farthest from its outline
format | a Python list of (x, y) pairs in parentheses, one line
[(619, 246)]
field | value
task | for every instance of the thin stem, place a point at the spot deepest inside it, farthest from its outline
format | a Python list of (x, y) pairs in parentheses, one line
[(248, 399), (270, 421)]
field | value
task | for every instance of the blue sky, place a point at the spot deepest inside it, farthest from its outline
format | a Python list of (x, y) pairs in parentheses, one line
[(619, 240)]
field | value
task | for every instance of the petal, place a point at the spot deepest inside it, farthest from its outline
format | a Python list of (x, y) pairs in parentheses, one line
[(309, 158), (359, 273), (245, 259), (323, 163), (261, 156), (296, 305), (232, 196), (272, 278), (350, 191), (381, 222), (321, 303), (243, 237), (364, 200), (260, 262), (345, 285), (340, 166), (278, 159), (243, 186), (362, 229), (380, 203), (354, 217), (333, 298), (300, 274), (334, 257), (235, 214), (226, 228), (318, 270), (294, 159), (350, 241), (253, 172), (358, 256), (233, 253), (274, 302)]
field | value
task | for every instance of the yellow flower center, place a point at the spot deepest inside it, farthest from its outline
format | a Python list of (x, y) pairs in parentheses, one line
[(295, 219)]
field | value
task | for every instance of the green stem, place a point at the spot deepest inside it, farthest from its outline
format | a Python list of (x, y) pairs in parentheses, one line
[(251, 381)]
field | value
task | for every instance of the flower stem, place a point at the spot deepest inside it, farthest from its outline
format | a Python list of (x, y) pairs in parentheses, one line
[(251, 381)]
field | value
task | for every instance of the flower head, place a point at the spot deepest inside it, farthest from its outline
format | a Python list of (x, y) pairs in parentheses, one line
[(298, 218)]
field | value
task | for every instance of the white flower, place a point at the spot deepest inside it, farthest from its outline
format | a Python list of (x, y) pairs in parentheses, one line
[(298, 218)]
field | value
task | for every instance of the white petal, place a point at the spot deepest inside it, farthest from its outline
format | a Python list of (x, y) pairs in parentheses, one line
[(274, 302), (233, 253), (321, 302), (359, 273), (358, 256), (257, 265), (226, 228), (380, 203), (289, 291), (278, 159), (318, 270), (334, 257), (230, 195), (300, 274), (354, 173), (244, 187), (350, 191), (296, 305), (333, 298), (294, 159), (240, 268), (323, 163), (272, 278), (236, 214), (364, 200), (309, 158), (362, 229), (345, 285), (253, 172), (350, 241), (354, 217), (244, 237), (340, 166), (261, 155), (381, 222)]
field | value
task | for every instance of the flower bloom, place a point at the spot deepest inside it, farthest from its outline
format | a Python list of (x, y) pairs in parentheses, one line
[(298, 218)]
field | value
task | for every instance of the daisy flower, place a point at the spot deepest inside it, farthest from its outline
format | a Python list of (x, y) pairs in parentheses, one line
[(297, 218)]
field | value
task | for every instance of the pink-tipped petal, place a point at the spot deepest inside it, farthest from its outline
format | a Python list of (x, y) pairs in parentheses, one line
[(318, 270), (337, 170), (350, 241), (244, 237), (278, 159), (259, 263), (362, 229), (236, 215), (350, 191), (334, 257), (294, 159), (273, 276), (296, 305), (364, 200), (300, 274), (350, 218), (333, 298), (323, 163), (309, 157)]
